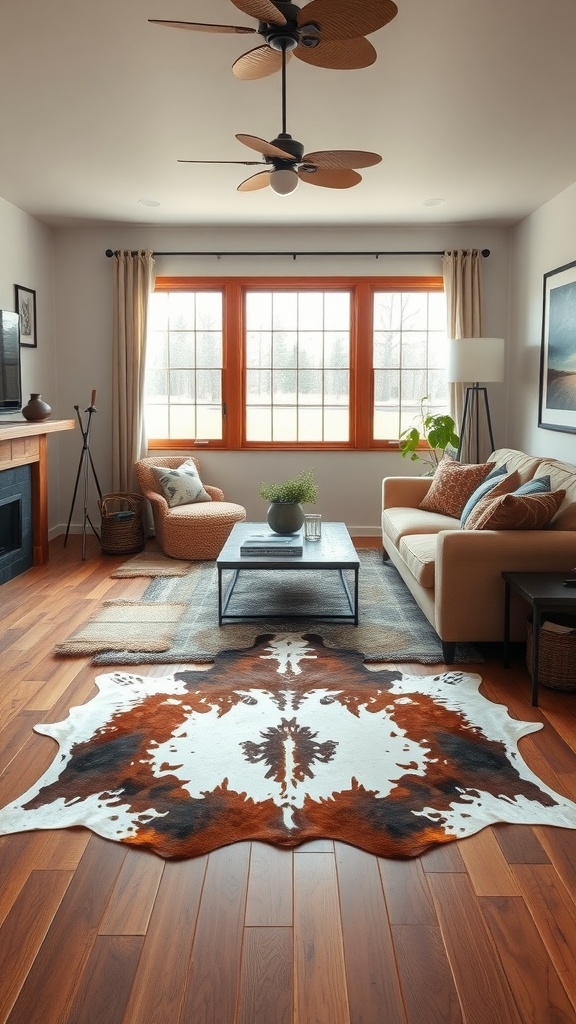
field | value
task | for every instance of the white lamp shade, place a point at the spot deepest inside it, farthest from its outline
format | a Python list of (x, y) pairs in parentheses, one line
[(284, 181), (476, 360)]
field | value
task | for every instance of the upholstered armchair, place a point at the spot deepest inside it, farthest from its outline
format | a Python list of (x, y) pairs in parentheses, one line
[(193, 531)]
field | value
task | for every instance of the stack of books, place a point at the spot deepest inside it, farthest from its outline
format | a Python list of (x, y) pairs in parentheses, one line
[(268, 544)]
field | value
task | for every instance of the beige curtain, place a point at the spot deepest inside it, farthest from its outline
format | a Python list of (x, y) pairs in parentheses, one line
[(462, 271), (133, 282)]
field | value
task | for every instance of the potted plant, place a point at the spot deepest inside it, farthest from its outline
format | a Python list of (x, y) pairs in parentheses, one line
[(439, 431), (285, 514)]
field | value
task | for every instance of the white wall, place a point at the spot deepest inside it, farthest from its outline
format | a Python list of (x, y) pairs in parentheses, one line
[(540, 243), (350, 483), (27, 258)]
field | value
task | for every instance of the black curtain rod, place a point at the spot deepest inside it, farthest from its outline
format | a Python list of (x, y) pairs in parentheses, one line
[(218, 255)]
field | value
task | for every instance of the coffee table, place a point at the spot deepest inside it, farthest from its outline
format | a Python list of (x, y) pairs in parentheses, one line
[(334, 551)]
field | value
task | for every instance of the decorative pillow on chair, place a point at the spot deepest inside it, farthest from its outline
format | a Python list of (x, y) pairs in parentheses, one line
[(539, 485), (492, 483), (181, 486), (515, 511), (452, 485)]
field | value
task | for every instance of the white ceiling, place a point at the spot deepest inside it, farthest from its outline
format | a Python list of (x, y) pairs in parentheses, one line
[(470, 101)]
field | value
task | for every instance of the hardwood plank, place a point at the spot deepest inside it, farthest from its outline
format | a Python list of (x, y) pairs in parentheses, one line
[(218, 940), (428, 987), (446, 857), (537, 989), (269, 899), (486, 865), (482, 986), (371, 971), (555, 917), (408, 898), (23, 930), (48, 991), (320, 995), (132, 899), (520, 845), (266, 980), (106, 980), (159, 984)]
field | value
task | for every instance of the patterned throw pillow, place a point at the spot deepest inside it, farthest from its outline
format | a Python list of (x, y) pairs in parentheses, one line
[(181, 486), (491, 480), (515, 511), (452, 485)]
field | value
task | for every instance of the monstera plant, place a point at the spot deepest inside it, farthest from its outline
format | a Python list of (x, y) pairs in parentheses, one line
[(438, 430)]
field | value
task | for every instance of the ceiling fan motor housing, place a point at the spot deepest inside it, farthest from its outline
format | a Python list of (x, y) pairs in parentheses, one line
[(284, 37), (289, 145)]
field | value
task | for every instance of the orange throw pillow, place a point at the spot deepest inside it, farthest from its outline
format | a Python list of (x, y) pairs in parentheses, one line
[(515, 511), (452, 485)]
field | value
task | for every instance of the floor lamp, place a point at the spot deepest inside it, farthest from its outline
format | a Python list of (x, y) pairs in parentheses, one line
[(475, 359)]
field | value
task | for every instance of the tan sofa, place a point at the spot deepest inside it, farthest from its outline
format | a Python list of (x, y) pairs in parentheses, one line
[(455, 574)]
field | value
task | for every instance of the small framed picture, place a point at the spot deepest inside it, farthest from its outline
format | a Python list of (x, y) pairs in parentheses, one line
[(26, 309), (558, 353)]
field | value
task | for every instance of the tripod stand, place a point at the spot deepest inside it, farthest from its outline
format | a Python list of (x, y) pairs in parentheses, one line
[(84, 465)]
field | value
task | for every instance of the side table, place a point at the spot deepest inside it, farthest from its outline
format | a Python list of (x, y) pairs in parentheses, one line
[(545, 592)]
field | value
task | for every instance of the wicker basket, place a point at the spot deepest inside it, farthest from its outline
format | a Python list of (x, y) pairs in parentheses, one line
[(556, 655), (122, 530)]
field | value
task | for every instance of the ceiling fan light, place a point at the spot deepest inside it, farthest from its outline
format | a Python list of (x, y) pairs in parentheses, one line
[(284, 181)]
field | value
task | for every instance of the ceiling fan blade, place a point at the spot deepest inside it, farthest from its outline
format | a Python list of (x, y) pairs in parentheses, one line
[(260, 180), (339, 19), (264, 10), (258, 63), (331, 179), (341, 159), (263, 147), (244, 163), (339, 54), (194, 26)]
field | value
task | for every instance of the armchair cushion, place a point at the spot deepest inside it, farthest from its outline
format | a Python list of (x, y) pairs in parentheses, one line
[(181, 485)]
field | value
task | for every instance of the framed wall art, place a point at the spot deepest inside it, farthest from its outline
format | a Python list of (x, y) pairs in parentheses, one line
[(26, 308), (557, 407)]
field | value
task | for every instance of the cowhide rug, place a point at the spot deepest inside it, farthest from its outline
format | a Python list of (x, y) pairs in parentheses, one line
[(287, 742)]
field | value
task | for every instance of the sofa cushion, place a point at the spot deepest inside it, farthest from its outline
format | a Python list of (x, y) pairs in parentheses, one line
[(538, 485), (562, 477), (419, 553), (515, 511), (452, 485), (181, 486), (498, 481), (403, 522)]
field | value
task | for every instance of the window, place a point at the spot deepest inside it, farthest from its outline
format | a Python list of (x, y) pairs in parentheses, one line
[(293, 362)]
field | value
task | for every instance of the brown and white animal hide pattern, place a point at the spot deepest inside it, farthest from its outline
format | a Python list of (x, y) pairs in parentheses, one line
[(288, 742)]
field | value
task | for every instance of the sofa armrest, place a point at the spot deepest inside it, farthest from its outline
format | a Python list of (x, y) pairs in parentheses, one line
[(469, 567), (404, 491)]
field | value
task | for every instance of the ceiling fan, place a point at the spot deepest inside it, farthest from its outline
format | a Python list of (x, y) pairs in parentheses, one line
[(287, 164), (327, 33)]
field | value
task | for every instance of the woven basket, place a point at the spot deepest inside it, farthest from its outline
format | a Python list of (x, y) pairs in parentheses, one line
[(122, 529), (556, 655)]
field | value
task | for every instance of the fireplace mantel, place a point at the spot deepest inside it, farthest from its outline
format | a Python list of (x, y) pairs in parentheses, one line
[(21, 444)]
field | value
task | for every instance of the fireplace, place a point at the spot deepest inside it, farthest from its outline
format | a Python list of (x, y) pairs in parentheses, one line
[(16, 547)]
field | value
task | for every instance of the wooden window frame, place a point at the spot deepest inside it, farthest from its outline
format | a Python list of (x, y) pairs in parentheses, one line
[(233, 290)]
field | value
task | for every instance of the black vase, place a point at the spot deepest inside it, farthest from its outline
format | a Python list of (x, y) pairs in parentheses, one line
[(36, 409), (285, 517)]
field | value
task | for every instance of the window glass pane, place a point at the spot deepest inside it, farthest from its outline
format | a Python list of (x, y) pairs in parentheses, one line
[(284, 348), (209, 422), (310, 311), (258, 348), (310, 424), (415, 311), (185, 332), (336, 425), (310, 387), (337, 311), (284, 424), (336, 387), (413, 349), (258, 423), (284, 384), (310, 348), (259, 387), (387, 349), (336, 349), (285, 311)]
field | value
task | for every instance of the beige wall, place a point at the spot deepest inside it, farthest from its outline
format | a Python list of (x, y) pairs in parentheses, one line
[(542, 242)]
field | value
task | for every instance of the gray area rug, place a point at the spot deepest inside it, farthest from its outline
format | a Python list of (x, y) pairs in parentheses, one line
[(392, 627)]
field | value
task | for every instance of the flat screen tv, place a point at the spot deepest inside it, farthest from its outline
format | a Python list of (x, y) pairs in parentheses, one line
[(10, 378)]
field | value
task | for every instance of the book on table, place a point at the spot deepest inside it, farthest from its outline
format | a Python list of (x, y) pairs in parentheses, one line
[(266, 543)]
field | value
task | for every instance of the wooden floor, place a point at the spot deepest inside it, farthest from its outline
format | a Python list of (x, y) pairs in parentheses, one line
[(481, 931)]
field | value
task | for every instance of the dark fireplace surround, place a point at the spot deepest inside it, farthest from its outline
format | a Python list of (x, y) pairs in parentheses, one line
[(16, 545)]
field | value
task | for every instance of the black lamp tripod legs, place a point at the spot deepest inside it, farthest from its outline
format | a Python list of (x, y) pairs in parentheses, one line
[(85, 464)]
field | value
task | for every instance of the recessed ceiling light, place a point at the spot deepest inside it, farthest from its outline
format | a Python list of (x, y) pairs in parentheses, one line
[(432, 202), (148, 202)]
